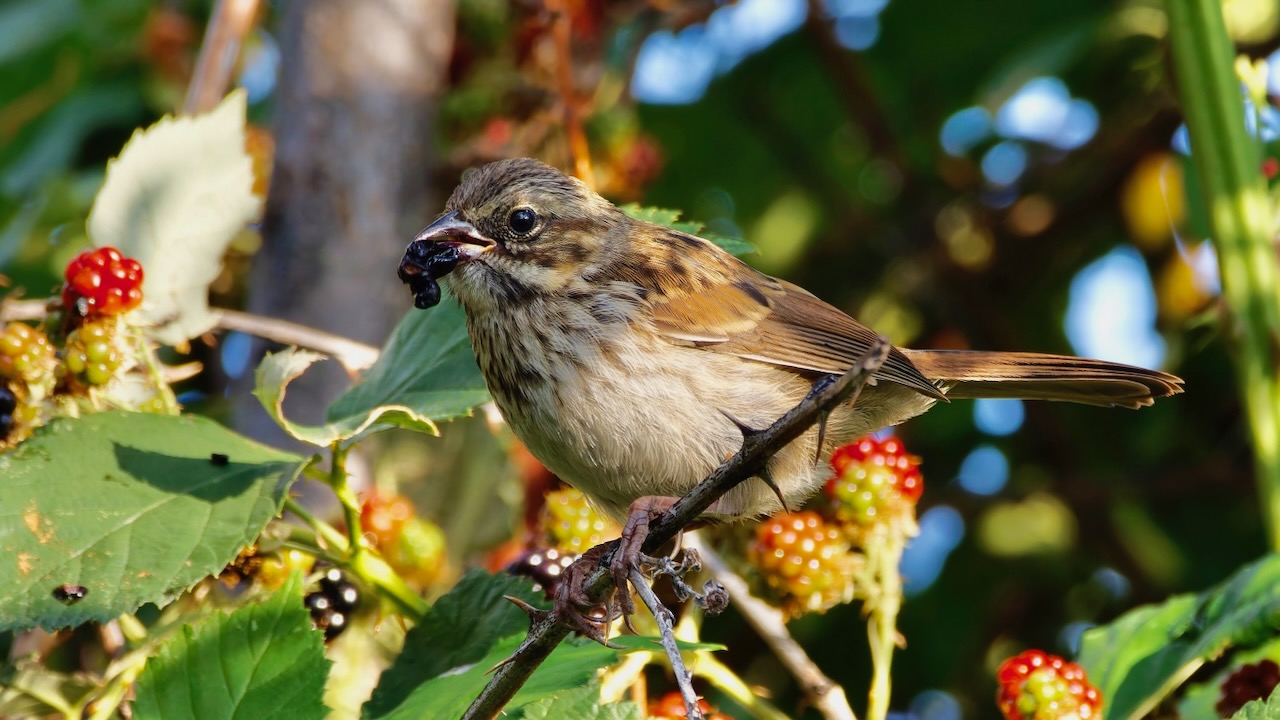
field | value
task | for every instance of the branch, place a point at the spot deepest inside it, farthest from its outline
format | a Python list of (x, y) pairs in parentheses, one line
[(228, 26), (354, 355), (547, 632), (770, 624)]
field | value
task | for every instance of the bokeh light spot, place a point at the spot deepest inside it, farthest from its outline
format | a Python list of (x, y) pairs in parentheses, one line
[(964, 130), (1111, 312), (984, 471), (1004, 163), (998, 416), (941, 530)]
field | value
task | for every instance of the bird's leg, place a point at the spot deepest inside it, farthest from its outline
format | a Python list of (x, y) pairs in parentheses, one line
[(572, 605), (628, 555)]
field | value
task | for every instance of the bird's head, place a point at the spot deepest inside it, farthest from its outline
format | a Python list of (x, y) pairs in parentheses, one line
[(514, 229)]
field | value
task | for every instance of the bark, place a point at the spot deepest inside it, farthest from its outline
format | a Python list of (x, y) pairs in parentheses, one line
[(355, 106)]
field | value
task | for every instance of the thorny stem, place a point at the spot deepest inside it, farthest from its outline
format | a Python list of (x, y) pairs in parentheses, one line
[(546, 633), (884, 552)]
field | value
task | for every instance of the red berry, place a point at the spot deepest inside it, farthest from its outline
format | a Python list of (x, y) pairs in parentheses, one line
[(671, 707), (806, 561), (1037, 686), (875, 481), (102, 282), (1249, 682), (382, 516), (1270, 168)]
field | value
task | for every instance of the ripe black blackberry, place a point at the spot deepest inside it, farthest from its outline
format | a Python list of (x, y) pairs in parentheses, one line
[(332, 603)]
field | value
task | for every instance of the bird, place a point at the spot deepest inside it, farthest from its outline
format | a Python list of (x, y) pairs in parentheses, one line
[(628, 356)]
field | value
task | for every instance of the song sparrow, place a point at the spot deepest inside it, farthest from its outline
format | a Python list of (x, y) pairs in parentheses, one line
[(627, 355)]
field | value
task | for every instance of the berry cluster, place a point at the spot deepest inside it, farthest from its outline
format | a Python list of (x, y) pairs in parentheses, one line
[(102, 282), (671, 707), (414, 547), (26, 355), (332, 603), (1037, 686), (571, 524), (806, 561), (91, 354), (875, 482), (1249, 682)]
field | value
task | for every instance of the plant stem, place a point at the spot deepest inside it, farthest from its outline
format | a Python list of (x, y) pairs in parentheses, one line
[(1228, 164), (718, 674), (155, 373), (368, 566), (884, 552)]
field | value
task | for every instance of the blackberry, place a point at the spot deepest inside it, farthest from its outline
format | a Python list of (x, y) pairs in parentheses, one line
[(571, 524), (1038, 686), (1248, 682), (332, 603)]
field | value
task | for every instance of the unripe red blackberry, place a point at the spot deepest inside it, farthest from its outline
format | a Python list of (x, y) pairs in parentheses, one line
[(1248, 682), (572, 525), (102, 282), (806, 561), (383, 515), (875, 482), (1037, 686)]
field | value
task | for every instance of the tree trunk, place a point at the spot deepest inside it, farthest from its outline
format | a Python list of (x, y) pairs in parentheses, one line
[(356, 102)]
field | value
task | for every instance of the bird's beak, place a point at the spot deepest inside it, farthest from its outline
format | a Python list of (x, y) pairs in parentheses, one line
[(438, 249), (451, 230)]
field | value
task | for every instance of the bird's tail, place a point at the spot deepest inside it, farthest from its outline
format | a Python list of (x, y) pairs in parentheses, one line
[(1038, 376)]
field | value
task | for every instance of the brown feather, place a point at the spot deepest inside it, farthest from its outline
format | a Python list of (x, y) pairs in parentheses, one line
[(1041, 376)]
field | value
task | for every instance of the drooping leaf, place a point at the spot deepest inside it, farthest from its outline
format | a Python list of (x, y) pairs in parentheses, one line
[(262, 661), (277, 370), (427, 366), (581, 704), (671, 218), (461, 628), (131, 507), (174, 199), (1144, 655)]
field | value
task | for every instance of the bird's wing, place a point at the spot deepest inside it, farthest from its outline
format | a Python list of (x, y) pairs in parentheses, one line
[(742, 312)]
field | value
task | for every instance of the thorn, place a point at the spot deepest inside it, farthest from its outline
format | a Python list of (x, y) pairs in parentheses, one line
[(822, 436), (535, 614), (746, 430), (767, 478)]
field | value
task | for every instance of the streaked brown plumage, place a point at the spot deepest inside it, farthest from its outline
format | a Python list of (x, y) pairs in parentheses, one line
[(622, 352)]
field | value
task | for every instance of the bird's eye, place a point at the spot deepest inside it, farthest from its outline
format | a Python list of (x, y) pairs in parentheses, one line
[(522, 221)]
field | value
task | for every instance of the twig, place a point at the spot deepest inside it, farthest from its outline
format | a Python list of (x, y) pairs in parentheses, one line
[(757, 448), (770, 624), (579, 152), (228, 25), (667, 633), (353, 355)]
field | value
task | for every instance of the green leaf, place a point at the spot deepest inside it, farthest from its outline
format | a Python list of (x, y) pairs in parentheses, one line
[(1268, 709), (571, 665), (262, 661), (277, 370), (461, 628), (671, 218), (581, 704), (1145, 654), (427, 367), (130, 506), (177, 195)]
